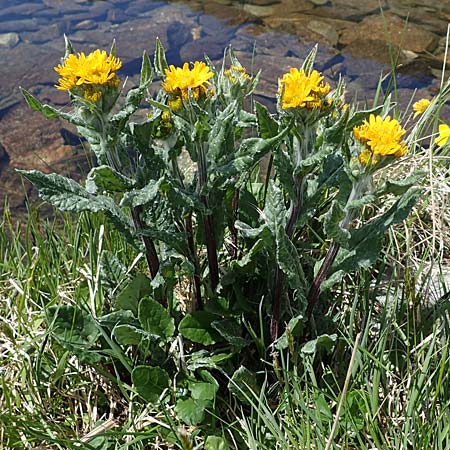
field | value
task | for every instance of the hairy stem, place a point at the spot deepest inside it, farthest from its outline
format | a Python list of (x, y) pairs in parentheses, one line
[(150, 250), (314, 290), (197, 285), (208, 224)]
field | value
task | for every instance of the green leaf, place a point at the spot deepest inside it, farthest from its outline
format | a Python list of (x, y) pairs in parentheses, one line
[(72, 325), (331, 223), (118, 318), (105, 178), (252, 150), (191, 411), (150, 382), (216, 443), (69, 50), (288, 260), (324, 342), (128, 334), (160, 59), (243, 385), (147, 194), (221, 142), (365, 243), (308, 63), (155, 319), (203, 360), (293, 328), (130, 296), (274, 214), (49, 111), (285, 170), (197, 328), (112, 271), (231, 331), (267, 126), (146, 72), (203, 391), (68, 195), (399, 187)]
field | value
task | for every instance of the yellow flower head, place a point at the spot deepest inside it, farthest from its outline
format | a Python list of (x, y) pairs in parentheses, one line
[(179, 80), (81, 71), (237, 74), (381, 137), (421, 106), (444, 134), (303, 91)]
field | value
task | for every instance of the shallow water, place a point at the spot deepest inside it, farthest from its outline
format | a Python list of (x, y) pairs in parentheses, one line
[(356, 40)]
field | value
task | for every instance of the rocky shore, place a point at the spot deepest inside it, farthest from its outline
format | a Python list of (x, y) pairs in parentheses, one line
[(355, 39)]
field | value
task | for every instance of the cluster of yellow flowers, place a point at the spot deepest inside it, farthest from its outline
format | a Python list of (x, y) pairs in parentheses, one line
[(88, 73), (237, 74), (381, 137), (179, 80), (300, 90)]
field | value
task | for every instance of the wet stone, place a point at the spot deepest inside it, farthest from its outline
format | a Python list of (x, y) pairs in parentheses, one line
[(23, 10), (85, 25), (140, 8), (116, 15), (259, 11), (9, 40), (41, 36), (22, 25), (407, 37)]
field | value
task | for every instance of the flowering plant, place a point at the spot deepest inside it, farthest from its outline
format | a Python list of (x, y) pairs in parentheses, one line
[(226, 244)]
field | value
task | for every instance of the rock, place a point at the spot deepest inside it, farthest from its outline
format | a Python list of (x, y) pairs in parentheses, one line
[(391, 28), (375, 50), (259, 11), (22, 25), (9, 40), (326, 30), (196, 50), (319, 2), (231, 15), (116, 15), (263, 2), (87, 24), (49, 33), (25, 9)]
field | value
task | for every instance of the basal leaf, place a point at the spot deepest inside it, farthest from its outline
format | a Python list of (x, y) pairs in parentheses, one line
[(203, 391), (130, 296), (190, 411), (150, 382), (197, 328), (155, 319), (243, 385), (216, 443), (324, 342), (128, 334), (231, 331)]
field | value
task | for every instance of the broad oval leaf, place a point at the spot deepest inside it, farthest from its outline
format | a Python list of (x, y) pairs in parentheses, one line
[(197, 328), (150, 382), (155, 319)]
